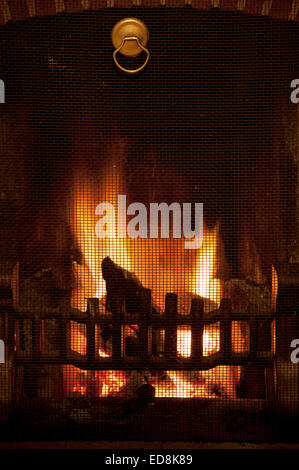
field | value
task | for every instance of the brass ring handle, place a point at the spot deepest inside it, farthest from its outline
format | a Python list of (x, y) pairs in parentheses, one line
[(131, 38)]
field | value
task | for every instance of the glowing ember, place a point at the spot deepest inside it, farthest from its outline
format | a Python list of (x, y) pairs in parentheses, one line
[(111, 382), (182, 388), (102, 353)]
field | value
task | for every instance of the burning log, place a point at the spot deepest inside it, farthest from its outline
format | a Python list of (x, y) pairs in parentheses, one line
[(125, 285)]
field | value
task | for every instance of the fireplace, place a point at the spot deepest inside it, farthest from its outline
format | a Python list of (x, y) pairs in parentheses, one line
[(124, 313)]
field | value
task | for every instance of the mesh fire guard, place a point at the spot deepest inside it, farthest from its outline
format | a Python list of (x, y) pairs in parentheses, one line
[(149, 221)]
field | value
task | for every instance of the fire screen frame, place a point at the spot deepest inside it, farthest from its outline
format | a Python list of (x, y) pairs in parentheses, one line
[(287, 303)]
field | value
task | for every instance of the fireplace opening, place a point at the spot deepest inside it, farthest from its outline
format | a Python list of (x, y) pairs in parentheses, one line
[(136, 328)]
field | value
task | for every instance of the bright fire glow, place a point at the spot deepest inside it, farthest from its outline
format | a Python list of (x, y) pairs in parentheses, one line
[(274, 288), (87, 194), (203, 283), (211, 341), (184, 341)]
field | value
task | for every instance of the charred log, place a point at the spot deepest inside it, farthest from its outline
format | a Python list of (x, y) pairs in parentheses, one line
[(125, 285)]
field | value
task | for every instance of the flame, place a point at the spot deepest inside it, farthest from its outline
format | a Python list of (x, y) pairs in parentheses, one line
[(102, 353), (184, 341), (223, 378), (77, 380), (181, 388), (111, 382), (160, 259), (211, 341), (274, 299), (203, 283), (86, 195), (274, 288)]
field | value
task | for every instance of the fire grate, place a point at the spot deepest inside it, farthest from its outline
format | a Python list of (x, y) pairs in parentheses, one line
[(169, 321), (145, 318), (143, 314)]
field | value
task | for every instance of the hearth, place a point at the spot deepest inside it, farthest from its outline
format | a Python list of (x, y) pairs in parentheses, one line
[(124, 313)]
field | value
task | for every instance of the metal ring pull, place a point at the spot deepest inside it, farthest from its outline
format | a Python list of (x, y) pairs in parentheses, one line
[(129, 37), (133, 38)]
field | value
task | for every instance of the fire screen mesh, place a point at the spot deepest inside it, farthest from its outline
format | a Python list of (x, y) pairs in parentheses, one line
[(149, 229)]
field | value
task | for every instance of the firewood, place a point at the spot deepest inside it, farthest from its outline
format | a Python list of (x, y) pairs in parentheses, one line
[(120, 282)]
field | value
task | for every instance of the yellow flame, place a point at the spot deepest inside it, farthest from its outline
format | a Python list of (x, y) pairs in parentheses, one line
[(184, 341), (182, 388), (86, 196), (203, 283), (160, 259), (211, 341), (112, 382)]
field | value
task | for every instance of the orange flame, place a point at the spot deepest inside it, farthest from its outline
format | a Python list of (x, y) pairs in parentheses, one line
[(160, 258), (211, 341), (87, 194)]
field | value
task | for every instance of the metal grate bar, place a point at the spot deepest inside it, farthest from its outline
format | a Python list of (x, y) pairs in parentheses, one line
[(146, 320)]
